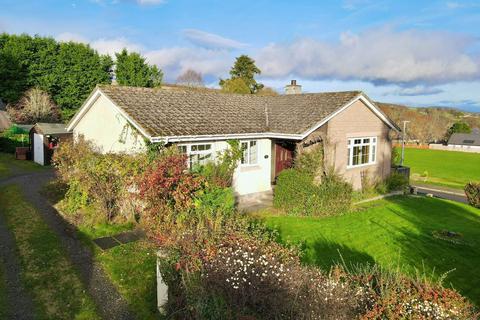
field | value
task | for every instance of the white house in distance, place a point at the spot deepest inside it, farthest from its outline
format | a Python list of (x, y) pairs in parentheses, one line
[(469, 142), (352, 129)]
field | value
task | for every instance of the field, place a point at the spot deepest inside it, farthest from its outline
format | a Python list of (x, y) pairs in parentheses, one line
[(400, 232), (444, 168)]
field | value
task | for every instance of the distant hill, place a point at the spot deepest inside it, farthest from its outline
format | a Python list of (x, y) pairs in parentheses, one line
[(428, 124)]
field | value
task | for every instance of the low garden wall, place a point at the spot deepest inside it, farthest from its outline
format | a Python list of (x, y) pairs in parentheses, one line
[(437, 146)]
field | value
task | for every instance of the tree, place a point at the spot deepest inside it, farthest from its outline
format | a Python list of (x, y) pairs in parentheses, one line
[(190, 78), (78, 70), (245, 69), (132, 70), (35, 106), (67, 71), (236, 85), (458, 127)]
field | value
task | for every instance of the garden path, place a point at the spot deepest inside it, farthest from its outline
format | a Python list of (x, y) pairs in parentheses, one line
[(109, 302)]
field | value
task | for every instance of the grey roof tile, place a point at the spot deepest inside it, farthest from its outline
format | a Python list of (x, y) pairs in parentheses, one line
[(163, 112)]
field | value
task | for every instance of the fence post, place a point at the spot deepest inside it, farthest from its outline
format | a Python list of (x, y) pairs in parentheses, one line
[(162, 287)]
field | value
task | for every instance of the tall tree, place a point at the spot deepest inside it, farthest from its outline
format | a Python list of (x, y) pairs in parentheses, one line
[(190, 78), (132, 70), (244, 68), (78, 70), (66, 71)]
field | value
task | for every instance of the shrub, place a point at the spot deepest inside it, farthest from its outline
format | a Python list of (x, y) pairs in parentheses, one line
[(220, 172), (472, 191), (392, 295), (396, 181), (296, 192), (239, 273), (35, 106), (92, 177)]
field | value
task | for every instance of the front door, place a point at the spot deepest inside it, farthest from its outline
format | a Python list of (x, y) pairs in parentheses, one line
[(283, 157)]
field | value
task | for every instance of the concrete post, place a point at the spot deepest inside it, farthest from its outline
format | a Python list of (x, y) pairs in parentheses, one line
[(162, 288)]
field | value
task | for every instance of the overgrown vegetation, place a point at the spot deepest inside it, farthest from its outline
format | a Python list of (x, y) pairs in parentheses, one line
[(222, 265), (310, 189), (472, 190), (47, 274)]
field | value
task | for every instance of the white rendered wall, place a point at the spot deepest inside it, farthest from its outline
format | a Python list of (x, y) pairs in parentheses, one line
[(108, 129), (251, 178)]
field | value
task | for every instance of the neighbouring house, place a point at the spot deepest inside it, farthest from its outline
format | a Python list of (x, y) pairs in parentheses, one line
[(465, 141), (354, 132), (44, 139)]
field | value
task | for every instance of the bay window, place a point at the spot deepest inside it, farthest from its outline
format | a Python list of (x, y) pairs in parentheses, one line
[(361, 151)]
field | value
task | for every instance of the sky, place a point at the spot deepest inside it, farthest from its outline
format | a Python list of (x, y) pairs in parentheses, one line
[(419, 53)]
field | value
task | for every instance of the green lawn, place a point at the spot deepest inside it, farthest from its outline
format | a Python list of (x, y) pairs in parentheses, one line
[(9, 166), (392, 233), (445, 168), (131, 268), (47, 273)]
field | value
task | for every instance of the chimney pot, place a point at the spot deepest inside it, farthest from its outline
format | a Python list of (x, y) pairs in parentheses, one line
[(293, 88)]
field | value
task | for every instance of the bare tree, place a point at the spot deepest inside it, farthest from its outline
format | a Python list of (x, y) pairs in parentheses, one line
[(35, 106), (190, 78)]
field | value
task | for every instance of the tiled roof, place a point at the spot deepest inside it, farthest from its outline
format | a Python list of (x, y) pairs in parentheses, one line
[(52, 128), (466, 139), (188, 112)]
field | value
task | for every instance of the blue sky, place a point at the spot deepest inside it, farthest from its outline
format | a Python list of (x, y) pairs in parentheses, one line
[(413, 52)]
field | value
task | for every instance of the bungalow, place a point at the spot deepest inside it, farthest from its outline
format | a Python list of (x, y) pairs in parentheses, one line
[(354, 132), (465, 141)]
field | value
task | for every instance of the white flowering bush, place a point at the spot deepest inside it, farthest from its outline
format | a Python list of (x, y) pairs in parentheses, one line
[(268, 282)]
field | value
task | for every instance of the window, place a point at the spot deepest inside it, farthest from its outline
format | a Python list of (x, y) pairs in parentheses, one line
[(468, 141), (250, 152), (361, 151), (198, 154)]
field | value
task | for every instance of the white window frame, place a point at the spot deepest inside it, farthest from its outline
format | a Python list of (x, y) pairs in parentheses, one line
[(248, 151), (372, 157), (189, 152)]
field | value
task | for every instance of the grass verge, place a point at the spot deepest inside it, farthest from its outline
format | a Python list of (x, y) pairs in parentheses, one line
[(46, 271), (391, 232), (130, 267), (452, 169)]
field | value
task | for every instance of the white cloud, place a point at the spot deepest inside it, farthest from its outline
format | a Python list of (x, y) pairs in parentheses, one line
[(379, 56), (110, 46), (69, 36), (210, 40), (102, 45), (174, 61), (418, 90)]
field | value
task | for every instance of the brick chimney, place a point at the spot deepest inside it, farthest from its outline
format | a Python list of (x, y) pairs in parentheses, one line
[(293, 88)]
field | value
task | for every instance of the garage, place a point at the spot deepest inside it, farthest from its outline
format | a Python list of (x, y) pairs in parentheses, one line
[(44, 139)]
